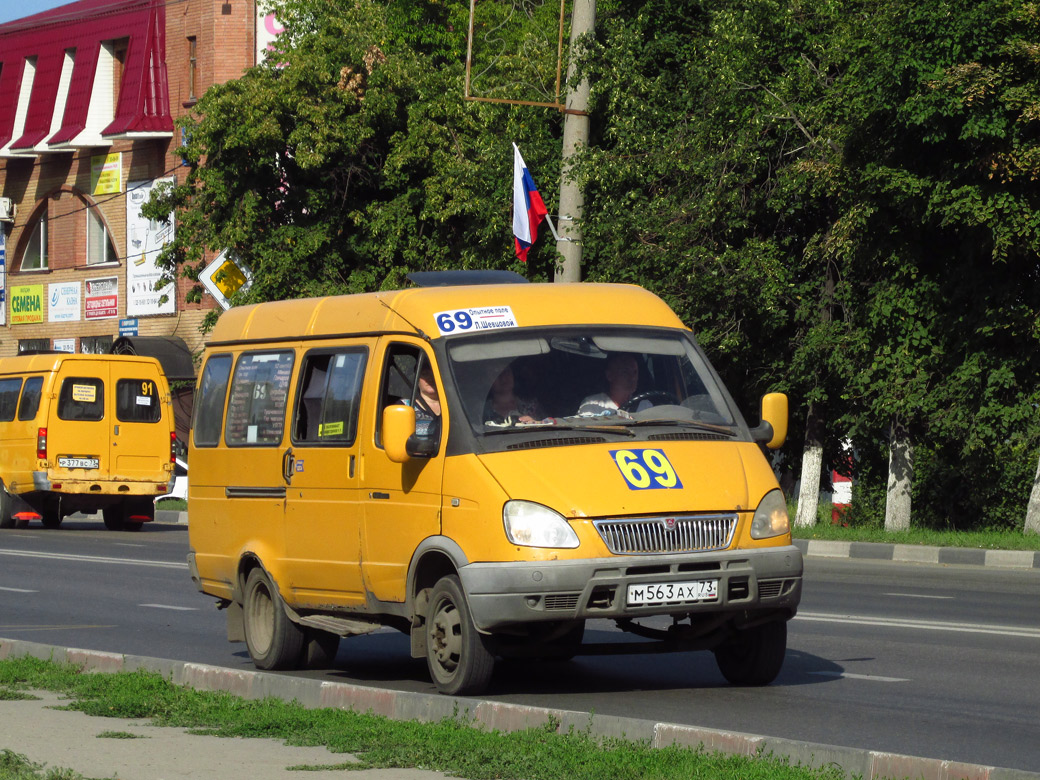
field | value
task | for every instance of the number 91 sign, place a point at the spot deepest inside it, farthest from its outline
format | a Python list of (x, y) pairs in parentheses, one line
[(646, 469)]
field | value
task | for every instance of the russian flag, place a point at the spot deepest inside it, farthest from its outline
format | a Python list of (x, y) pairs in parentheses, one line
[(528, 208)]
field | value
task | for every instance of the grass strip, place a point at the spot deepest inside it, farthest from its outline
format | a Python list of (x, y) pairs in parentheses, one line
[(450, 745)]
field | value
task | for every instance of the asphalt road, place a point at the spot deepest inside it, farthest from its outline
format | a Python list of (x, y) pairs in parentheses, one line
[(937, 661)]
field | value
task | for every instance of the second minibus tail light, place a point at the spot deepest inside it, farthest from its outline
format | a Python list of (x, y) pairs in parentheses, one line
[(173, 446), (41, 443)]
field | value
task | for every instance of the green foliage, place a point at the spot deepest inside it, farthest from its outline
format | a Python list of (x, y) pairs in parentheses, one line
[(839, 196)]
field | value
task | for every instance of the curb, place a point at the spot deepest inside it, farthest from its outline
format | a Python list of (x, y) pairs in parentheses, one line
[(500, 716), (913, 553)]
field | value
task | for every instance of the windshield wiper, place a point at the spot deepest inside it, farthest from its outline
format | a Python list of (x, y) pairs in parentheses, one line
[(620, 430), (724, 430)]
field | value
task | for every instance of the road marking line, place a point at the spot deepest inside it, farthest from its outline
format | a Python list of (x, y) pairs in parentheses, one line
[(94, 559), (851, 676), (170, 606), (918, 596), (19, 590), (926, 625), (51, 628)]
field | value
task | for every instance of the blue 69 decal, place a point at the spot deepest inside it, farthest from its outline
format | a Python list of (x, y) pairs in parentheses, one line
[(646, 469)]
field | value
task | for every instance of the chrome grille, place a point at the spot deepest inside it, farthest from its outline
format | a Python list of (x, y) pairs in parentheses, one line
[(657, 535)]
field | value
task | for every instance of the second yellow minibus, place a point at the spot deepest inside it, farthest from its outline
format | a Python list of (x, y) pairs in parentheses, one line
[(83, 433)]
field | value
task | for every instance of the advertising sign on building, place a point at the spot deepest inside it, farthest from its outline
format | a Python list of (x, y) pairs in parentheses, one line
[(144, 240), (3, 276), (106, 173), (63, 302), (26, 304), (102, 298), (128, 327), (64, 345)]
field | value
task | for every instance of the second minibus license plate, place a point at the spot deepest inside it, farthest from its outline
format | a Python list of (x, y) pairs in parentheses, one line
[(78, 463), (672, 592)]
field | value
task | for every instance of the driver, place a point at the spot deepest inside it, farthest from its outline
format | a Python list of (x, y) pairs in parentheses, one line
[(622, 373)]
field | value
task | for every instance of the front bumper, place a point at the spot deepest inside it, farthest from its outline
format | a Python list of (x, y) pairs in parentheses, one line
[(508, 594)]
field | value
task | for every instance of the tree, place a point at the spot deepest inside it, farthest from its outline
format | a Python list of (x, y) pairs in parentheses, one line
[(348, 159)]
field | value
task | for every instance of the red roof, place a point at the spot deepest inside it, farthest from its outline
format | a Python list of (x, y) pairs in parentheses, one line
[(144, 103)]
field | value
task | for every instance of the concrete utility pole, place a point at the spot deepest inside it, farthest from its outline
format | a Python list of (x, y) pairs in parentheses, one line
[(575, 134)]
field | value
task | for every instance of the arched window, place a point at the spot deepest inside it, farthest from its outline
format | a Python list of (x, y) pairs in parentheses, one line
[(34, 258), (100, 248)]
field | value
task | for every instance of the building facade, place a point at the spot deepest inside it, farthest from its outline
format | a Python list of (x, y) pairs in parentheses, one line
[(89, 95)]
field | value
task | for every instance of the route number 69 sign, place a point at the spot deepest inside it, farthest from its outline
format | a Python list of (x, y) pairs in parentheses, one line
[(474, 319)]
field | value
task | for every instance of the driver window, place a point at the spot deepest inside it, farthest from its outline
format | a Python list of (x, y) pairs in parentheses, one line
[(408, 378)]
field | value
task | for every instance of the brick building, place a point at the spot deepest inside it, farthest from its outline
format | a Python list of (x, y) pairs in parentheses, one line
[(89, 93)]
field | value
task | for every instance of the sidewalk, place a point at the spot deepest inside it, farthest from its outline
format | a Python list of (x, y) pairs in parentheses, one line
[(64, 739)]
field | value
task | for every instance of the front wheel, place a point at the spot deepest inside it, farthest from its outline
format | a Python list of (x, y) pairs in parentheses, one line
[(456, 653), (274, 641), (754, 656)]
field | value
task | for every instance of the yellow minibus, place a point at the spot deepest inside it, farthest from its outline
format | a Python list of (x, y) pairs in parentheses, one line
[(485, 467), (83, 433)]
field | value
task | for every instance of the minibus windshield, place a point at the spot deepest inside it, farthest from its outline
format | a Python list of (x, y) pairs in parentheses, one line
[(592, 377)]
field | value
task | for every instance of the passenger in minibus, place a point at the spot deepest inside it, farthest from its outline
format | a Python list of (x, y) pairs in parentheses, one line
[(505, 407)]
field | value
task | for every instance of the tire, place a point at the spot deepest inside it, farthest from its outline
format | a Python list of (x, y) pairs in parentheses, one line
[(113, 516), (274, 641), (319, 649), (755, 655), (50, 519), (457, 654), (6, 509)]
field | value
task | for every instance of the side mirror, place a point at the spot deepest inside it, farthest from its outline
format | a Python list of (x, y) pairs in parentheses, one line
[(772, 431), (398, 426)]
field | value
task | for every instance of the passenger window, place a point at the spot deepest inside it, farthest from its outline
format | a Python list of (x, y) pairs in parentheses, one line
[(209, 405), (327, 403), (259, 395), (137, 400), (30, 403), (82, 398), (9, 389)]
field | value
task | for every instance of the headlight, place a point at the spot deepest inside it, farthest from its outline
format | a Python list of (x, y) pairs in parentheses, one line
[(533, 525), (770, 517)]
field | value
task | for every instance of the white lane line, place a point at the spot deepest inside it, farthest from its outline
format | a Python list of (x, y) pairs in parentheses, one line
[(924, 625), (170, 606), (19, 590), (851, 676), (94, 559), (918, 596)]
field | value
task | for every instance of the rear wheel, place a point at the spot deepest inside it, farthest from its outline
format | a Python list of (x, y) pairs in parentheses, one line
[(274, 641), (6, 509), (754, 656), (456, 653), (50, 518), (113, 516)]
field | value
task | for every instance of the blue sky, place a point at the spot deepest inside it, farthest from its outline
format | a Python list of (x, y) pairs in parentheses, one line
[(16, 9)]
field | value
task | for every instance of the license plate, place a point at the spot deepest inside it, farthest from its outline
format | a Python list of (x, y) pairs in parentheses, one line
[(672, 592), (78, 463)]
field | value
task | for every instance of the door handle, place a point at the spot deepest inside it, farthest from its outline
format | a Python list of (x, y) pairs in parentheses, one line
[(288, 463)]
